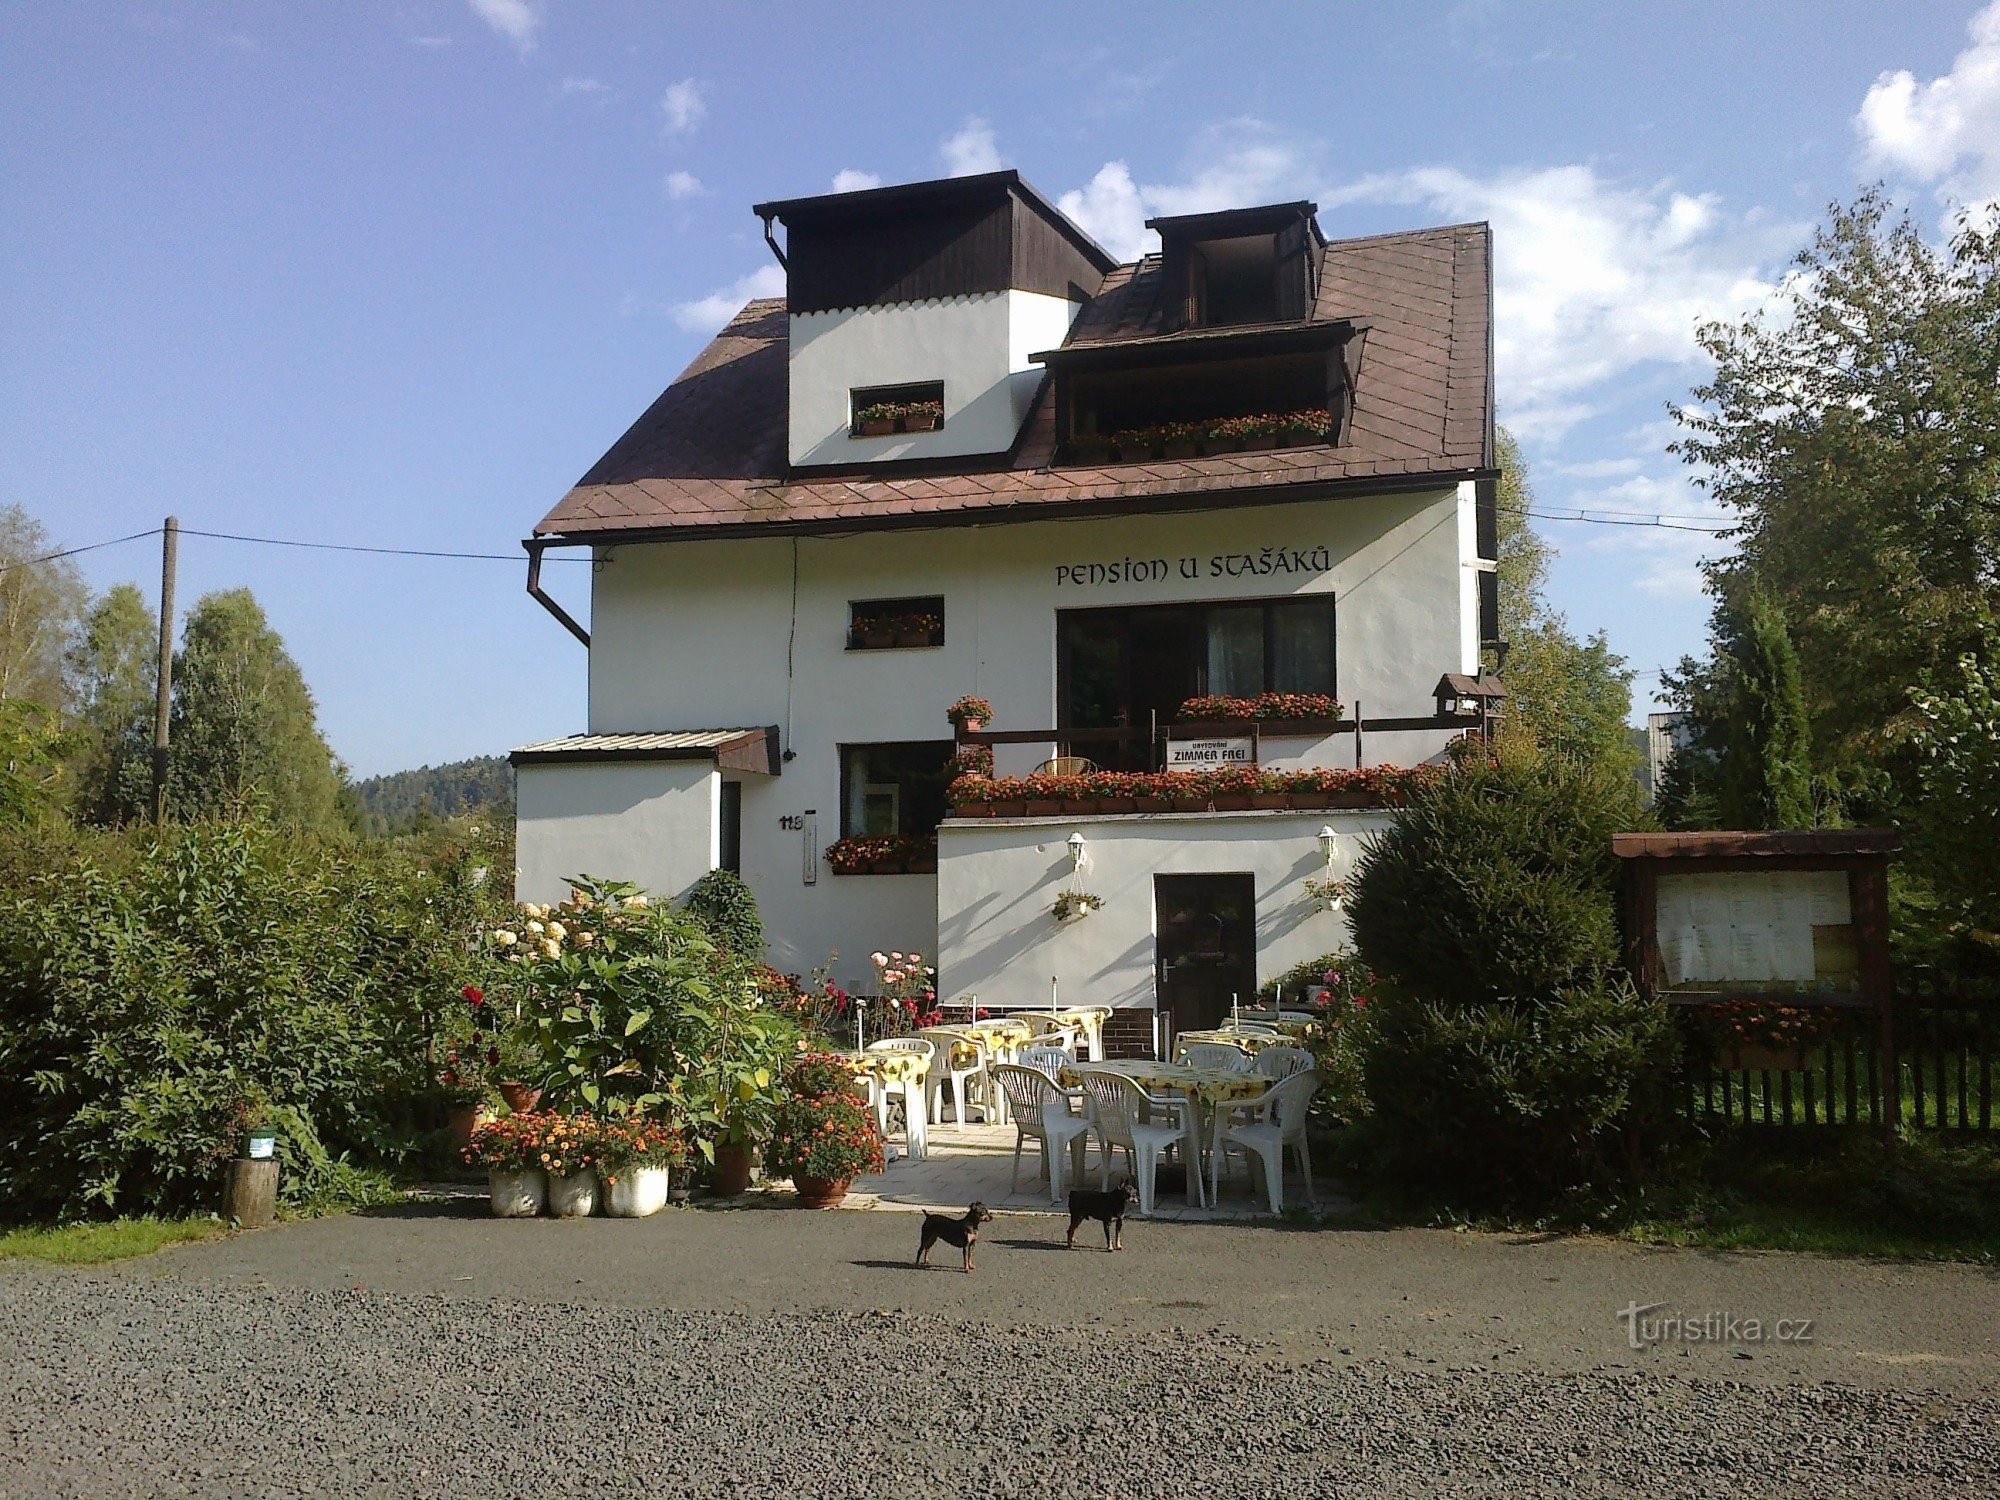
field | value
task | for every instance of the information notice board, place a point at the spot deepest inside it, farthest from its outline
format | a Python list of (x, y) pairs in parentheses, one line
[(1787, 931)]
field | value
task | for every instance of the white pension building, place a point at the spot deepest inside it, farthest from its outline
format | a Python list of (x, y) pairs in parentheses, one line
[(938, 468)]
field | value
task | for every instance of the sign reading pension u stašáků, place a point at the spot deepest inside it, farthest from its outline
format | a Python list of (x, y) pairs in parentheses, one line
[(1263, 563)]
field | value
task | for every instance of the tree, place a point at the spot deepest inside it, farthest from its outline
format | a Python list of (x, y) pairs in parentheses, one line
[(1569, 697), (33, 743), (1854, 430), (114, 668), (243, 726), (1957, 822), (40, 604)]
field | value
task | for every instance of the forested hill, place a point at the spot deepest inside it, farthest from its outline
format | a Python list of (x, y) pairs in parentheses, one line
[(392, 803)]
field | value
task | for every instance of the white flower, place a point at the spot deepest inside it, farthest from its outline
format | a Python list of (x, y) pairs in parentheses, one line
[(536, 928), (880, 960), (894, 955), (504, 939), (552, 948), (533, 910), (558, 931), (635, 900)]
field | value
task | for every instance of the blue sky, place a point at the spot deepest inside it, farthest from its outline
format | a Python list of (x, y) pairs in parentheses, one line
[(398, 273)]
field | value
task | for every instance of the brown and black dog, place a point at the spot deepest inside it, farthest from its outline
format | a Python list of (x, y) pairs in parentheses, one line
[(1108, 1208), (963, 1233)]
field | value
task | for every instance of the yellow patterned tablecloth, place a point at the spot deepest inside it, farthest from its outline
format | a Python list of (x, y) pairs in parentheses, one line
[(1252, 1042), (1209, 1085), (968, 1034), (890, 1067)]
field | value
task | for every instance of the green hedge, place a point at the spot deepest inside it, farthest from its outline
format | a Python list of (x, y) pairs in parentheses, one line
[(152, 988)]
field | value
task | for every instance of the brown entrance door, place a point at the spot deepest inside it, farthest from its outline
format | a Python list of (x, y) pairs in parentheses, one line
[(1207, 946)]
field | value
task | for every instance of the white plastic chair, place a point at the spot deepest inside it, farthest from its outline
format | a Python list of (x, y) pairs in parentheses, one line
[(1277, 1063), (1105, 1104), (1151, 1126), (963, 1078), (1046, 1057), (1092, 1019), (1042, 1112), (1216, 1055), (1048, 1028), (1271, 1122)]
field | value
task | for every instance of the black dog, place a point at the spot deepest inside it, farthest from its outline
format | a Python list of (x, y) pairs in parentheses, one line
[(1107, 1208), (963, 1233)]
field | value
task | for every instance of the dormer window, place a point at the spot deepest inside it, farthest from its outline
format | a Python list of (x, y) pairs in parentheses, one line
[(1239, 267), (881, 410)]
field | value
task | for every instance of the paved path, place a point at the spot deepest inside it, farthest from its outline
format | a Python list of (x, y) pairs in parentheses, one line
[(436, 1351)]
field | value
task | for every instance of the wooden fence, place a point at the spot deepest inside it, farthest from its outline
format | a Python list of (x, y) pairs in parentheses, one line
[(1947, 1053)]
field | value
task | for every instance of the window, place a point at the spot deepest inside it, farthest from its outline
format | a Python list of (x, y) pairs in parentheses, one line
[(879, 410), (879, 624), (730, 856), (1133, 668), (893, 788)]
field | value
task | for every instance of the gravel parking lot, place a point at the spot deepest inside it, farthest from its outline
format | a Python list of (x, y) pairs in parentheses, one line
[(745, 1353)]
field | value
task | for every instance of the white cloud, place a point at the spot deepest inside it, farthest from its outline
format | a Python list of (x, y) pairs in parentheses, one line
[(589, 87), (971, 151), (1592, 279), (684, 106), (1668, 557), (706, 314), (516, 20), (683, 185), (1945, 131), (1236, 165), (847, 180)]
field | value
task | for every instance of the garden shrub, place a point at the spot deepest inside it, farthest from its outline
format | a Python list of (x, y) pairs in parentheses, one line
[(723, 904), (152, 987), (1507, 1058)]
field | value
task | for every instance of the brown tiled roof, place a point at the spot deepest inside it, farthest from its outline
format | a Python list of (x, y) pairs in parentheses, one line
[(711, 453)]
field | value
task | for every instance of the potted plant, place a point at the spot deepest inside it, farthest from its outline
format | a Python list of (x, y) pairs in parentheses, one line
[(969, 715), (636, 1158), (918, 630), (1301, 429), (1756, 1035), (461, 1077), (511, 1150), (920, 416), (877, 420), (569, 1153), (1074, 906), (255, 1128), (823, 1135), (1179, 440)]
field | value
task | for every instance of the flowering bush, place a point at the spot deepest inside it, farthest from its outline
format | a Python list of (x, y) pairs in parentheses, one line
[(635, 1142), (526, 1143), (1265, 706), (973, 760), (882, 853), (636, 1010), (823, 1127)]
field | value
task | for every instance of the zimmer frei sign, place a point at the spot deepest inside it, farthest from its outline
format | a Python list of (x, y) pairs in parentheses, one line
[(1211, 753)]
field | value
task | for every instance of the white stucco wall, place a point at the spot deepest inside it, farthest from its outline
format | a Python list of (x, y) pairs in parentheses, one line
[(691, 635), (978, 346), (998, 878), (652, 822)]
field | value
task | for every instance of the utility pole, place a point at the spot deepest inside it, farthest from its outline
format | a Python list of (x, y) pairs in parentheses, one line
[(170, 540)]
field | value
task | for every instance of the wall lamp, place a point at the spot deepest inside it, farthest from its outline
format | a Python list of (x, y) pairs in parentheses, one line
[(1076, 851)]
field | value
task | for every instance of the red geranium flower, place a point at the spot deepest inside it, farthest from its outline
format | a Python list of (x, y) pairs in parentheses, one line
[(474, 995)]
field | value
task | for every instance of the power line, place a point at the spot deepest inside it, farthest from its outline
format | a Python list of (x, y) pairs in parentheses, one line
[(278, 541), (1628, 518), (29, 562)]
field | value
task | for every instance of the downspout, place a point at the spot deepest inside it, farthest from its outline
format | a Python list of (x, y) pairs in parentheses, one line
[(536, 546), (783, 264)]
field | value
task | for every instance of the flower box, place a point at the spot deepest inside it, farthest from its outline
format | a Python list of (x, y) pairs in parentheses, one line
[(1117, 804), (875, 640), (1231, 802), (977, 810), (1216, 447), (1152, 804), (1088, 450), (920, 422), (1764, 1057), (880, 854), (878, 427), (917, 638), (516, 1195), (1041, 807), (1269, 801), (920, 864), (1078, 807), (1012, 808), (1179, 448)]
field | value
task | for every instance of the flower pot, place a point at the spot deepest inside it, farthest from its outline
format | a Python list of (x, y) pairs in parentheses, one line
[(1116, 804), (1182, 448), (915, 638), (1189, 804), (1303, 801), (878, 640), (1231, 802), (821, 1192), (1268, 801), (1260, 443), (974, 810), (878, 427), (1764, 1057), (637, 1193), (520, 1097), (573, 1195), (516, 1195), (1300, 439), (1041, 807), (1338, 800), (919, 424), (1009, 808), (1152, 804), (969, 724), (921, 864), (732, 1169), (464, 1119), (1078, 807)]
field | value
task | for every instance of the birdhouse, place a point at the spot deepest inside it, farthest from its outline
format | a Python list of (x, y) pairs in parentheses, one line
[(1473, 700)]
